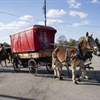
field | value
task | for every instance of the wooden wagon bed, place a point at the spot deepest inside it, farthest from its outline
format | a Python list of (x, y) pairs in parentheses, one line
[(34, 54)]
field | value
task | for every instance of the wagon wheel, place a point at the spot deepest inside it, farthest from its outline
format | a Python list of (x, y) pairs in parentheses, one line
[(49, 67), (33, 69), (16, 64)]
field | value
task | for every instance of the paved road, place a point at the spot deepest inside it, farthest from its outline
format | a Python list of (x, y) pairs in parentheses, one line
[(24, 86)]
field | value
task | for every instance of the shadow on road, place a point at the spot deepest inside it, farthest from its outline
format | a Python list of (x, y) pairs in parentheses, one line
[(94, 74), (11, 70), (89, 82), (14, 97)]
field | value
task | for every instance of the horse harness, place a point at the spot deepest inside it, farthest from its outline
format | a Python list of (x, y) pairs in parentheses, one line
[(78, 54)]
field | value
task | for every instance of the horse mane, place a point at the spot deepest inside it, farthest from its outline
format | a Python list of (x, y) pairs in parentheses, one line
[(81, 44), (96, 40)]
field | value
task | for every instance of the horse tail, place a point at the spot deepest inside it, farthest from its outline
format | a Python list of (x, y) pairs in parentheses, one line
[(56, 50), (54, 54)]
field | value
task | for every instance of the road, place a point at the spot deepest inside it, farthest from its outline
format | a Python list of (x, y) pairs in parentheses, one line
[(24, 86)]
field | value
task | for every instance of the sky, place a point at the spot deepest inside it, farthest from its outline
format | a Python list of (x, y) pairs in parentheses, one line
[(71, 18)]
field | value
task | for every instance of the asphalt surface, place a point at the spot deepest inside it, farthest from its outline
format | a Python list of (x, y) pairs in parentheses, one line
[(24, 86)]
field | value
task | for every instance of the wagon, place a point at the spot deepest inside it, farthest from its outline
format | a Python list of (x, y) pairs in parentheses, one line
[(32, 46)]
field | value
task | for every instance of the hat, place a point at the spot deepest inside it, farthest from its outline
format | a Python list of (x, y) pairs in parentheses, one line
[(1, 44)]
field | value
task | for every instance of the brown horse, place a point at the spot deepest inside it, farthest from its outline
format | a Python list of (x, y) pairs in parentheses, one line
[(74, 56), (97, 53), (3, 56)]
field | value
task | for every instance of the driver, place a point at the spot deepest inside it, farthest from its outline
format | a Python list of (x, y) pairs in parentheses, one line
[(3, 49)]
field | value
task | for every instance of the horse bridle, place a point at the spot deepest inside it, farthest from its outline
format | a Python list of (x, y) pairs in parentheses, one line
[(88, 41)]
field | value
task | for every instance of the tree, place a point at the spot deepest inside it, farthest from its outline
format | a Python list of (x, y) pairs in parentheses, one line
[(66, 43), (61, 40), (72, 42), (6, 44)]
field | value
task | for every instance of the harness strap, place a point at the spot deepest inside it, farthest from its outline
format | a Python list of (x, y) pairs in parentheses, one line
[(66, 56), (77, 54)]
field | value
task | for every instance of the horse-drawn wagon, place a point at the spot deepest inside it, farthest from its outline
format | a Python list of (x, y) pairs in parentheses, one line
[(31, 46)]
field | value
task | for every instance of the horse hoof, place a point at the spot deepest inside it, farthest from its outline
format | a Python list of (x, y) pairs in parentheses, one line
[(77, 75), (55, 77), (60, 78), (62, 74), (75, 82), (68, 73), (79, 80), (88, 78)]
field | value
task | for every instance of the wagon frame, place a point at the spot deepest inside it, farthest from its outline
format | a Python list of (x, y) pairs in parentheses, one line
[(33, 57), (19, 60)]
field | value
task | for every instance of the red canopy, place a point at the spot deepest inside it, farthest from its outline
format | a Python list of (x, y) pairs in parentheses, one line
[(33, 38)]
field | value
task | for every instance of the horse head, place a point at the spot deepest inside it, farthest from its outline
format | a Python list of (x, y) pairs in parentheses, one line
[(90, 42), (97, 50)]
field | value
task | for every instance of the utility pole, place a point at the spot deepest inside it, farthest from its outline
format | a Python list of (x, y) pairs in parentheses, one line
[(44, 10)]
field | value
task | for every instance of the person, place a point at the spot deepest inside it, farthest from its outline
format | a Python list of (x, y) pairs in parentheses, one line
[(3, 54), (3, 49)]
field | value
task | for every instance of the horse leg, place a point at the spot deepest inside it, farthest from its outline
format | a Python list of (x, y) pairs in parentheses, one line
[(1, 60), (8, 55), (11, 57), (1, 63), (55, 73), (5, 63), (78, 72), (73, 73), (87, 77), (59, 66), (54, 68), (83, 74), (9, 60), (68, 69), (58, 73), (61, 71)]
